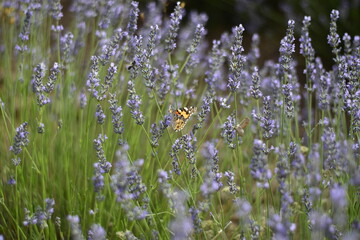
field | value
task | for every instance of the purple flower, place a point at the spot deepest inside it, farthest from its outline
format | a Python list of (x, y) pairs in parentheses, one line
[(74, 222), (100, 115), (40, 216), (231, 182), (195, 219), (134, 13), (215, 61), (237, 60), (181, 226), (228, 131), (255, 91), (111, 47), (41, 128), (157, 132), (258, 166), (96, 232), (333, 37), (330, 149), (93, 81), (38, 87), (20, 139), (11, 181), (306, 48), (175, 19), (297, 159), (199, 32), (127, 184), (54, 72), (287, 47), (118, 125), (67, 45), (175, 148), (280, 228), (133, 103)]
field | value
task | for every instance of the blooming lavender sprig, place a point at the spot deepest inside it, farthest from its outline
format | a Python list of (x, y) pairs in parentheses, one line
[(96, 232), (157, 132), (287, 47), (40, 216), (175, 148), (25, 31), (212, 179), (118, 125), (100, 115), (93, 81), (199, 32), (267, 122), (289, 101), (189, 142), (215, 61), (21, 139), (195, 219), (111, 47), (228, 131), (333, 37), (67, 45), (280, 227), (324, 96), (133, 103), (330, 149), (55, 10), (100, 167), (108, 81), (181, 226), (134, 13), (127, 184), (258, 166), (54, 72), (74, 222), (306, 48), (237, 60), (165, 186), (98, 142), (150, 46), (297, 160), (164, 82), (255, 91), (231, 182), (175, 19), (38, 87), (204, 111)]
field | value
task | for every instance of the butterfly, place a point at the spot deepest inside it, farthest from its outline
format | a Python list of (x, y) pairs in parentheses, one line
[(241, 126), (180, 117)]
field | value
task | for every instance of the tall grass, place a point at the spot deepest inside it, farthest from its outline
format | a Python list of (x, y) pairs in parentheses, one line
[(88, 149)]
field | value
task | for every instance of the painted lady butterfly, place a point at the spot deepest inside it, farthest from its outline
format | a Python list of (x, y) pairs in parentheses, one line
[(180, 116)]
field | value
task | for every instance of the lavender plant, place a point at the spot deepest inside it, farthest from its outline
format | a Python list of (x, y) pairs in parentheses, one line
[(93, 134)]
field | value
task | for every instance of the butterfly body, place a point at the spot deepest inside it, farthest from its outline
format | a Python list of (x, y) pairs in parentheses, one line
[(180, 117)]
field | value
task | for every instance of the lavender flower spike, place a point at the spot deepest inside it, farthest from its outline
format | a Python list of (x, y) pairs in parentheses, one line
[(133, 103), (237, 60), (20, 139), (175, 19)]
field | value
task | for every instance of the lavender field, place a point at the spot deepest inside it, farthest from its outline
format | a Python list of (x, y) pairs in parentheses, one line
[(123, 121)]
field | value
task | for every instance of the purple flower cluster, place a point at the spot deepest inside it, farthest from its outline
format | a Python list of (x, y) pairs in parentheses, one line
[(258, 167), (157, 132), (175, 19), (40, 216), (127, 184), (21, 139), (133, 103)]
